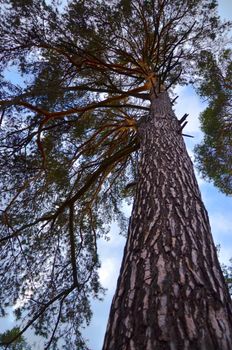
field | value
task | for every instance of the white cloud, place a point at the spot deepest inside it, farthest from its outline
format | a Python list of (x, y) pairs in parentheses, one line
[(222, 230), (221, 223), (225, 254), (200, 180), (109, 272), (189, 102)]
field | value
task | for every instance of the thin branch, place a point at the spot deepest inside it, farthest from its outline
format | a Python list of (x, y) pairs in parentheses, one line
[(183, 118), (40, 313), (17, 232), (1, 118), (182, 127), (174, 100), (133, 146), (187, 135), (72, 244), (56, 325)]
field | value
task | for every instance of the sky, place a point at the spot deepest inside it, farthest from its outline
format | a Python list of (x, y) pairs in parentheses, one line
[(218, 205)]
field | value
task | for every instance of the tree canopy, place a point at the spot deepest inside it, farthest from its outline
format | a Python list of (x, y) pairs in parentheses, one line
[(69, 143), (214, 154)]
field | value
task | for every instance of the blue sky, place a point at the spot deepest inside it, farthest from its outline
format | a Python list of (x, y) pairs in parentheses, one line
[(218, 205)]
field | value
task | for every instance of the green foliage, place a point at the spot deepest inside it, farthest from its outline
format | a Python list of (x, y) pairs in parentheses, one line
[(227, 272), (69, 141), (18, 344), (214, 154)]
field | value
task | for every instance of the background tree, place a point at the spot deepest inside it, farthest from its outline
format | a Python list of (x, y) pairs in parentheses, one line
[(18, 344), (214, 154), (227, 272), (93, 115)]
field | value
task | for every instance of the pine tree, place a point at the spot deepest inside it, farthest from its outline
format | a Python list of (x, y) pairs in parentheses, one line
[(93, 115), (214, 154)]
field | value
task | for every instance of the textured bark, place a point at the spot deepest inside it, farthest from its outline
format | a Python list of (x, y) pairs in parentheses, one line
[(170, 293)]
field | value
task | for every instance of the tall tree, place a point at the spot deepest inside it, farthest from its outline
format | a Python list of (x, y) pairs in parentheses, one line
[(92, 115)]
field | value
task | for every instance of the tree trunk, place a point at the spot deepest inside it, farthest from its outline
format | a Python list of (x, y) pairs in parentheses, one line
[(171, 293)]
